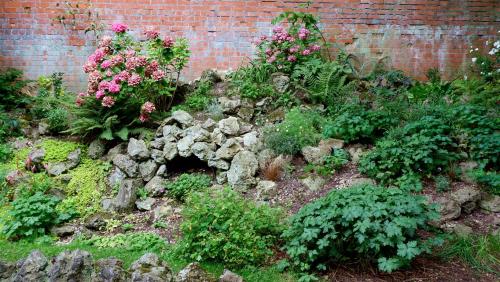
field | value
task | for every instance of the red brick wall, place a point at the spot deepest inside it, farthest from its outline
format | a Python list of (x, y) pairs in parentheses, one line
[(413, 35)]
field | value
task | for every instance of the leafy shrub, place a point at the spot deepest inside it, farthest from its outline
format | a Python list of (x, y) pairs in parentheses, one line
[(33, 216), (128, 81), (187, 183), (337, 159), (9, 126), (420, 147), (129, 242), (252, 81), (356, 123), (298, 129), (222, 226), (52, 102), (488, 179), (368, 222), (477, 128), (199, 99), (5, 152), (11, 83)]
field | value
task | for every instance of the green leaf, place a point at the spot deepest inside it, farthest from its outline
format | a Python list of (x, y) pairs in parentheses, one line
[(122, 133)]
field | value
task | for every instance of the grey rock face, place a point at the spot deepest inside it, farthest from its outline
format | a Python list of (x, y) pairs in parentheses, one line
[(228, 150), (202, 150), (63, 231), (137, 149), (243, 168), (229, 106), (184, 146), (37, 155), (182, 117), (170, 151), (228, 276), (33, 268), (229, 126), (156, 186), (109, 270), (490, 203), (96, 149), (146, 204), (6, 270), (71, 266), (467, 197), (126, 164), (148, 169), (266, 189), (313, 182), (116, 176), (125, 200), (193, 272), (281, 82), (149, 268)]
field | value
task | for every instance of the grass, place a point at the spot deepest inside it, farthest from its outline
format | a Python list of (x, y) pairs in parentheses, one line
[(480, 252), (14, 251)]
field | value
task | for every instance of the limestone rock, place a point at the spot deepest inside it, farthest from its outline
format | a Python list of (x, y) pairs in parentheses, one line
[(109, 270), (146, 204), (156, 186), (228, 150), (467, 197), (71, 266), (163, 211), (490, 203), (148, 169), (116, 150), (202, 150), (150, 268), (158, 155), (243, 168), (251, 141), (281, 82), (193, 273), (448, 208), (182, 117), (158, 143), (126, 164), (116, 176), (265, 157), (127, 195), (218, 137), (6, 270), (313, 182), (197, 133), (33, 268), (266, 189), (171, 133), (229, 106), (170, 151), (228, 276), (37, 155), (96, 149), (184, 146), (137, 149), (229, 126), (63, 231), (209, 124), (356, 151)]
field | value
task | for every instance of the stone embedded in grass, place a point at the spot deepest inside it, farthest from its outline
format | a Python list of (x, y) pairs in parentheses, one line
[(96, 149), (71, 266)]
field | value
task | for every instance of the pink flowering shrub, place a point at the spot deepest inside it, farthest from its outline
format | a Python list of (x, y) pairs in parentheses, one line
[(128, 80), (293, 41)]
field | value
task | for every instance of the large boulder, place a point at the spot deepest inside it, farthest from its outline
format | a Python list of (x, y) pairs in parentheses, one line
[(251, 141), (448, 208), (156, 186), (116, 176), (218, 137), (71, 266), (184, 146), (109, 270), (183, 118), (151, 269), (148, 170), (228, 150), (170, 150), (171, 133), (137, 149), (33, 268), (197, 133), (229, 126), (242, 171), (229, 276), (6, 270), (229, 106), (126, 164), (127, 194), (203, 150), (96, 149), (281, 82), (193, 273), (467, 197), (490, 203)]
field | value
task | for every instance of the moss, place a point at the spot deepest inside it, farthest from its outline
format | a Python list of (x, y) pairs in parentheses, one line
[(86, 188), (58, 150)]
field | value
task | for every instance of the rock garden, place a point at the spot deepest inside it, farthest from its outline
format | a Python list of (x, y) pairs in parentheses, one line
[(300, 166)]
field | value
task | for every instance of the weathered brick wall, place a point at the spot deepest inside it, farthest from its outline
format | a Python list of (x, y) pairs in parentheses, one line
[(413, 35)]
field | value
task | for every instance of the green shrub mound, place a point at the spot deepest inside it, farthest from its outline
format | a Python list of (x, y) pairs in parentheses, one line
[(221, 226), (420, 147), (187, 183), (369, 222), (32, 216), (298, 129)]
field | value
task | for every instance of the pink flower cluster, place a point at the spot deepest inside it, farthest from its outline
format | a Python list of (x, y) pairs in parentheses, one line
[(280, 35), (146, 109), (151, 33), (168, 42), (119, 27), (303, 33)]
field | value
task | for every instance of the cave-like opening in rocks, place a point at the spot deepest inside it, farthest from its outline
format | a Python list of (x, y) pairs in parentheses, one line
[(191, 164)]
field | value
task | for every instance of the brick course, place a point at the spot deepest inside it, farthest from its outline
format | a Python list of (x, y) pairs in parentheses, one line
[(412, 35)]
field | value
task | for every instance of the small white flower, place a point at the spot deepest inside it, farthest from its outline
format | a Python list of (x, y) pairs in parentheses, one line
[(470, 51), (465, 77), (496, 44), (474, 60), (477, 49), (487, 42)]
